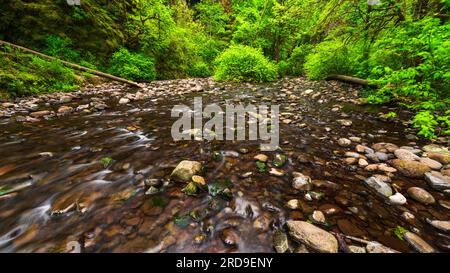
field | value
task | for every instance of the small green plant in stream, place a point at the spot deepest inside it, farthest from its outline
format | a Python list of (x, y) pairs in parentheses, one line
[(261, 166), (158, 201), (390, 115), (399, 231), (106, 161), (221, 189), (190, 189), (5, 190), (181, 221), (279, 160)]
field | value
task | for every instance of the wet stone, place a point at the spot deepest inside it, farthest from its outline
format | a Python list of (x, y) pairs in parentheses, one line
[(438, 181), (408, 168), (421, 195), (312, 236), (280, 241), (418, 243)]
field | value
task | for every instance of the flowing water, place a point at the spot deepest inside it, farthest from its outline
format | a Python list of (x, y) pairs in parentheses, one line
[(71, 198)]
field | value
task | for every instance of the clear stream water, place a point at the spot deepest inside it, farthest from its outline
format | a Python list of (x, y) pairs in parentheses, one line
[(71, 197)]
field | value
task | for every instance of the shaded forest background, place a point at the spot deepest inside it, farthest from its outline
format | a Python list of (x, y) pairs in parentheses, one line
[(402, 46)]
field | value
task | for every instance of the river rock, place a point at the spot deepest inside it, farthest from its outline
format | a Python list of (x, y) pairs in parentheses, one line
[(261, 157), (312, 236), (418, 243), (293, 204), (40, 113), (397, 199), (440, 157), (185, 170), (384, 147), (345, 122), (406, 155), (410, 168), (357, 249), (124, 101), (363, 163), (421, 195), (280, 241), (344, 142), (445, 204), (441, 225), (229, 237), (375, 247), (65, 109), (433, 148), (433, 164), (437, 181), (318, 216), (382, 156), (301, 182), (381, 187)]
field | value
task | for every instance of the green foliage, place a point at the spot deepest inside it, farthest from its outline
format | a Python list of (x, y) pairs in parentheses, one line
[(332, 57), (24, 74), (400, 231), (132, 66), (293, 66), (261, 166), (106, 161), (243, 63), (190, 189)]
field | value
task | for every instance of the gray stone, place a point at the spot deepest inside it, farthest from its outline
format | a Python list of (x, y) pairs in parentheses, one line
[(437, 181), (280, 241), (312, 236), (406, 155), (381, 187), (301, 182)]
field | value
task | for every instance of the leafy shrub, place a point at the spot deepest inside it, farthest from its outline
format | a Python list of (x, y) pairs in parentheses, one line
[(243, 63), (415, 72), (199, 69), (61, 48), (293, 66), (332, 57), (132, 66), (24, 74)]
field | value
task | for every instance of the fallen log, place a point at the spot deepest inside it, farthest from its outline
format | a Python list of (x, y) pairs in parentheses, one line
[(348, 79), (72, 65)]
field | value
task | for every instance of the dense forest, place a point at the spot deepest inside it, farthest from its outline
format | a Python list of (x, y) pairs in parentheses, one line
[(401, 47)]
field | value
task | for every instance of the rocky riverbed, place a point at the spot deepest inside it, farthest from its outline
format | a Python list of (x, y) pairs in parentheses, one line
[(97, 171)]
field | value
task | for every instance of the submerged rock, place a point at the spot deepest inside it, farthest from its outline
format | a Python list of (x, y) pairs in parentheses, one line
[(375, 247), (381, 187), (441, 225), (280, 241), (301, 182), (185, 170), (312, 236), (418, 243)]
